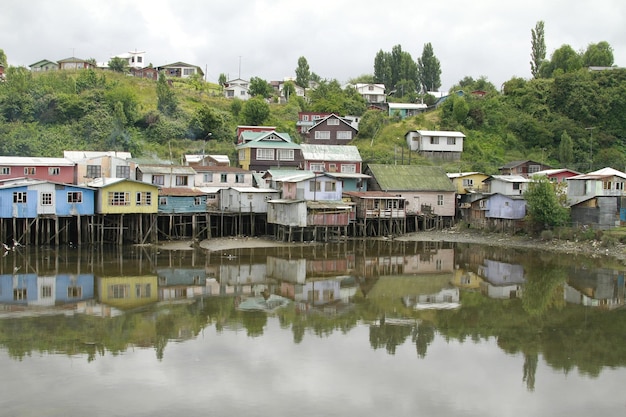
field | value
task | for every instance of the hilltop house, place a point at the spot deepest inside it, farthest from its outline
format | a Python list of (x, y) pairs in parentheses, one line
[(404, 110), (112, 164), (331, 130), (181, 70), (44, 65), (74, 63), (431, 144), (237, 88)]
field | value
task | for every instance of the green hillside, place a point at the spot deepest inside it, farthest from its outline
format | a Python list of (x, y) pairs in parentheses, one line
[(573, 120)]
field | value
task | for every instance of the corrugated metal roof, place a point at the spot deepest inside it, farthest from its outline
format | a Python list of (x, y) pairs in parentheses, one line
[(331, 152), (447, 133), (34, 161), (411, 178), (167, 169), (181, 192)]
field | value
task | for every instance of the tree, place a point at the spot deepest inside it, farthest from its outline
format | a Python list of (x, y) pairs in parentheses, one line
[(395, 69), (538, 48), (303, 73), (259, 87), (255, 112), (429, 69), (598, 55), (166, 100), (118, 64), (3, 58), (542, 205), (566, 149), (563, 60), (222, 79)]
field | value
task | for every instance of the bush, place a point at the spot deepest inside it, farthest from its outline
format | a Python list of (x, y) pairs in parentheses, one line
[(547, 235), (608, 241)]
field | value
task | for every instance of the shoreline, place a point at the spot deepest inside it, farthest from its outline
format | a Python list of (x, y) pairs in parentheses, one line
[(592, 248)]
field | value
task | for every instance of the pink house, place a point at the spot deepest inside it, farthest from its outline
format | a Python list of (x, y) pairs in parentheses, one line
[(558, 175), (60, 170)]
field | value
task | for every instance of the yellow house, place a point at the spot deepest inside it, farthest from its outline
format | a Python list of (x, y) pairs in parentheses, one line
[(468, 182), (124, 196), (466, 280), (128, 292)]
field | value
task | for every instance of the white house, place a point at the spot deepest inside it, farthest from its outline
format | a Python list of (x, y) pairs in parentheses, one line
[(135, 59), (237, 88), (372, 93), (436, 144), (606, 182), (509, 185)]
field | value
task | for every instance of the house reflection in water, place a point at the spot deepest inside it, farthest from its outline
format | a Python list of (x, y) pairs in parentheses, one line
[(45, 291), (603, 288), (181, 283), (501, 279), (128, 292)]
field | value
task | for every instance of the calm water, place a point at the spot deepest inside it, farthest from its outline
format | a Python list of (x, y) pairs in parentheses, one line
[(355, 329)]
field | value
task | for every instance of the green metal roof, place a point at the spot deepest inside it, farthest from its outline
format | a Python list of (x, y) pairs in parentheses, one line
[(410, 178)]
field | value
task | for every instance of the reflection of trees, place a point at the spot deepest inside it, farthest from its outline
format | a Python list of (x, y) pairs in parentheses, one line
[(423, 336), (388, 336), (543, 288), (530, 370), (254, 322)]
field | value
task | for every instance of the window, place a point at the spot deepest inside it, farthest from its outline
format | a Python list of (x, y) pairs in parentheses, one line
[(182, 180), (122, 172), (197, 201), (119, 291), (285, 155), (332, 122), (239, 178), (468, 182), (5, 170), (348, 168), (344, 134), (332, 167), (305, 117), (46, 199), (265, 154), (74, 292), (316, 167), (207, 177), (144, 198), (188, 71), (143, 290), (242, 155), (158, 179), (516, 185), (19, 197), (534, 168), (19, 294), (322, 134), (211, 197), (434, 141), (619, 186), (75, 197), (46, 291), (392, 204), (440, 199), (29, 170), (482, 204), (330, 186), (118, 198), (94, 171), (315, 186), (223, 177), (451, 141), (606, 185), (54, 171), (139, 59), (370, 87), (162, 201)]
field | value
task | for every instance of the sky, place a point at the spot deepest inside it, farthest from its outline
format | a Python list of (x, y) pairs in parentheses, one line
[(339, 38)]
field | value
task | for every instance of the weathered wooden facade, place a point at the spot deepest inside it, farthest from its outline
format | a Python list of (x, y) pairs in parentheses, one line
[(377, 213), (182, 214)]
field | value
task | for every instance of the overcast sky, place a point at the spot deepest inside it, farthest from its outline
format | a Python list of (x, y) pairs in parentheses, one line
[(339, 38)]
